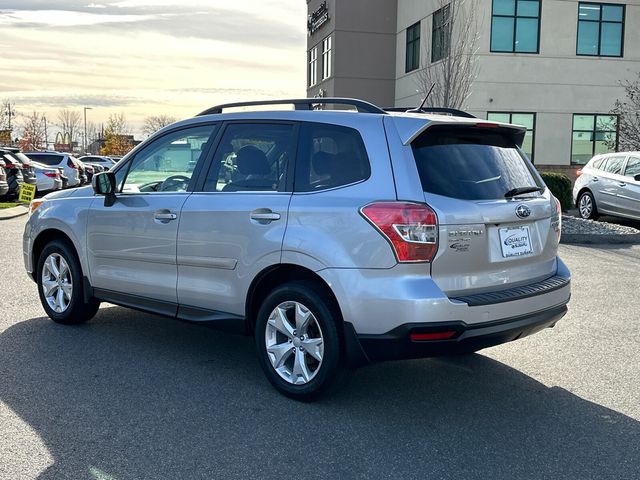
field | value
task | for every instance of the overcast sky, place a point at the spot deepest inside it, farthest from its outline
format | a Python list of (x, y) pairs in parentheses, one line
[(147, 57)]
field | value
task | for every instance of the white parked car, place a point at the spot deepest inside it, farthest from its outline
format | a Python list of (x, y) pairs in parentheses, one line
[(67, 162)]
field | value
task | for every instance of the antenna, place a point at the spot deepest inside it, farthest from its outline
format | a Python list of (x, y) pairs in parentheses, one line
[(419, 109)]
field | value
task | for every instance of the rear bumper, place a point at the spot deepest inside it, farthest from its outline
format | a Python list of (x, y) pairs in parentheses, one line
[(397, 343)]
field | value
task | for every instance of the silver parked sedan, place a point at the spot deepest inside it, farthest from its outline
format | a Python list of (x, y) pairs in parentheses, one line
[(609, 184)]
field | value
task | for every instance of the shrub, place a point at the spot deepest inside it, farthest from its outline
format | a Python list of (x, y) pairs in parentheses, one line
[(560, 186)]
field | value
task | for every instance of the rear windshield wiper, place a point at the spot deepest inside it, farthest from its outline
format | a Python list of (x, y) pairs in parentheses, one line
[(520, 190)]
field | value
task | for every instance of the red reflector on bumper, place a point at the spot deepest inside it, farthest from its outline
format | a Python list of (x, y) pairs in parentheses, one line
[(421, 337)]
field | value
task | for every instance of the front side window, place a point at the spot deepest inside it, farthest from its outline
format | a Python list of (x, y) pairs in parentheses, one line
[(313, 66), (330, 156), (326, 57), (600, 29), (441, 34), (592, 134), (515, 26), (633, 167), (252, 157), (167, 163), (525, 119), (412, 60)]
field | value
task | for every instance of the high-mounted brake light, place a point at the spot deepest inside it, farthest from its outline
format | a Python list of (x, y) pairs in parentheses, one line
[(70, 164), (487, 125), (410, 228)]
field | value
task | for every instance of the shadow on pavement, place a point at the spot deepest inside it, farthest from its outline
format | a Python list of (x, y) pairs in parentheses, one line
[(133, 396)]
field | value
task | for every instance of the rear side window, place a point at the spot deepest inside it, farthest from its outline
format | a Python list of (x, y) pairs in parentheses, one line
[(47, 159), (330, 156), (633, 167), (613, 165), (471, 163), (596, 163)]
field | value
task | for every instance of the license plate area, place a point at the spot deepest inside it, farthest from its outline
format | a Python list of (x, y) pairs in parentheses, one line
[(515, 241)]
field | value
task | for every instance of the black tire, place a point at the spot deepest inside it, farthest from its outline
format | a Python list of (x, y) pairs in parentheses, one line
[(78, 311), (330, 371), (586, 198)]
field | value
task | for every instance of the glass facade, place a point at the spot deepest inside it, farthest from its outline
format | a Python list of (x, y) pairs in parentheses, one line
[(440, 34), (412, 61), (525, 119), (600, 29), (592, 134), (515, 26)]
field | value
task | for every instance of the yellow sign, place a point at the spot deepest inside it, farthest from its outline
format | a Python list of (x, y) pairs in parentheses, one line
[(27, 192)]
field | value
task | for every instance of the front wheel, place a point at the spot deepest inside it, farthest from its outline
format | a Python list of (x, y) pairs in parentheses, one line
[(298, 342), (60, 286), (587, 206)]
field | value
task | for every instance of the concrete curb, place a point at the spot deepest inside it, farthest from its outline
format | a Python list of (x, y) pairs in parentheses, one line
[(593, 239), (13, 212)]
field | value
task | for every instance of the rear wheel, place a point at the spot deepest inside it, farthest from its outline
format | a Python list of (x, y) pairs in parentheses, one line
[(298, 342), (60, 286), (587, 206)]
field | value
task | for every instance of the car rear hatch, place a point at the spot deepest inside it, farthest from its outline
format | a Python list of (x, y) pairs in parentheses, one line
[(498, 225), (28, 172)]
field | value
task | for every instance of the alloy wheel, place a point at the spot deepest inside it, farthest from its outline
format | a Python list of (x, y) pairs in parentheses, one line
[(57, 283), (294, 342), (585, 206)]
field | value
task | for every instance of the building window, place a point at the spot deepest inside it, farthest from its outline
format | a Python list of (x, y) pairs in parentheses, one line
[(326, 58), (600, 29), (441, 34), (313, 66), (593, 134), (413, 47), (525, 119), (515, 26)]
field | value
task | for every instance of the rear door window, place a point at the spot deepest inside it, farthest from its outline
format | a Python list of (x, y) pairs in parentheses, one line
[(471, 163), (330, 156), (613, 165)]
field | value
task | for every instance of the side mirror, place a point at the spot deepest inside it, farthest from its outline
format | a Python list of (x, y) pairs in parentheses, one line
[(104, 183)]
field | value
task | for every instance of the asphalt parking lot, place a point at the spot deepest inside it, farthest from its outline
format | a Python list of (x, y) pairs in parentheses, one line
[(135, 396)]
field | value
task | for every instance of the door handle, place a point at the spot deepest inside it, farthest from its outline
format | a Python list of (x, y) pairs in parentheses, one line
[(594, 179), (264, 215), (164, 215), (622, 184)]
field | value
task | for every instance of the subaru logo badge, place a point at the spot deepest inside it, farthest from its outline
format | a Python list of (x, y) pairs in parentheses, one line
[(523, 211)]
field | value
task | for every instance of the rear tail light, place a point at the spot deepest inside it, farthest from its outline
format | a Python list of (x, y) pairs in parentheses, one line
[(424, 337), (51, 174), (410, 228), (556, 219), (578, 172), (70, 164)]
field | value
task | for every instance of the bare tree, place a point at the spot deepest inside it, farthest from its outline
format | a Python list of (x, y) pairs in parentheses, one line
[(32, 133), (453, 47), (154, 123), (628, 112), (69, 121)]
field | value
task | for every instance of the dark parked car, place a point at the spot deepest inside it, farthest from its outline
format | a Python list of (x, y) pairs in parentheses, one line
[(14, 170)]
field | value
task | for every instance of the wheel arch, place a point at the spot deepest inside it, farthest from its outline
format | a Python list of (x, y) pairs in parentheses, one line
[(276, 275), (45, 237), (580, 192)]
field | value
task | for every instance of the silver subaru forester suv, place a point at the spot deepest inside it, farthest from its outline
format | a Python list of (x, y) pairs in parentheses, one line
[(336, 238)]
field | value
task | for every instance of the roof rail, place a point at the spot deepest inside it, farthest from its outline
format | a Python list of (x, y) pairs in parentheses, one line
[(445, 110), (301, 104)]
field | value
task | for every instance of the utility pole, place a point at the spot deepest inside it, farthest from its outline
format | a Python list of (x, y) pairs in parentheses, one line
[(46, 137), (84, 142)]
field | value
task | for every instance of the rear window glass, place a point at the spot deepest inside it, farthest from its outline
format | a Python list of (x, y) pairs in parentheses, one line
[(47, 159), (330, 156), (471, 163)]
